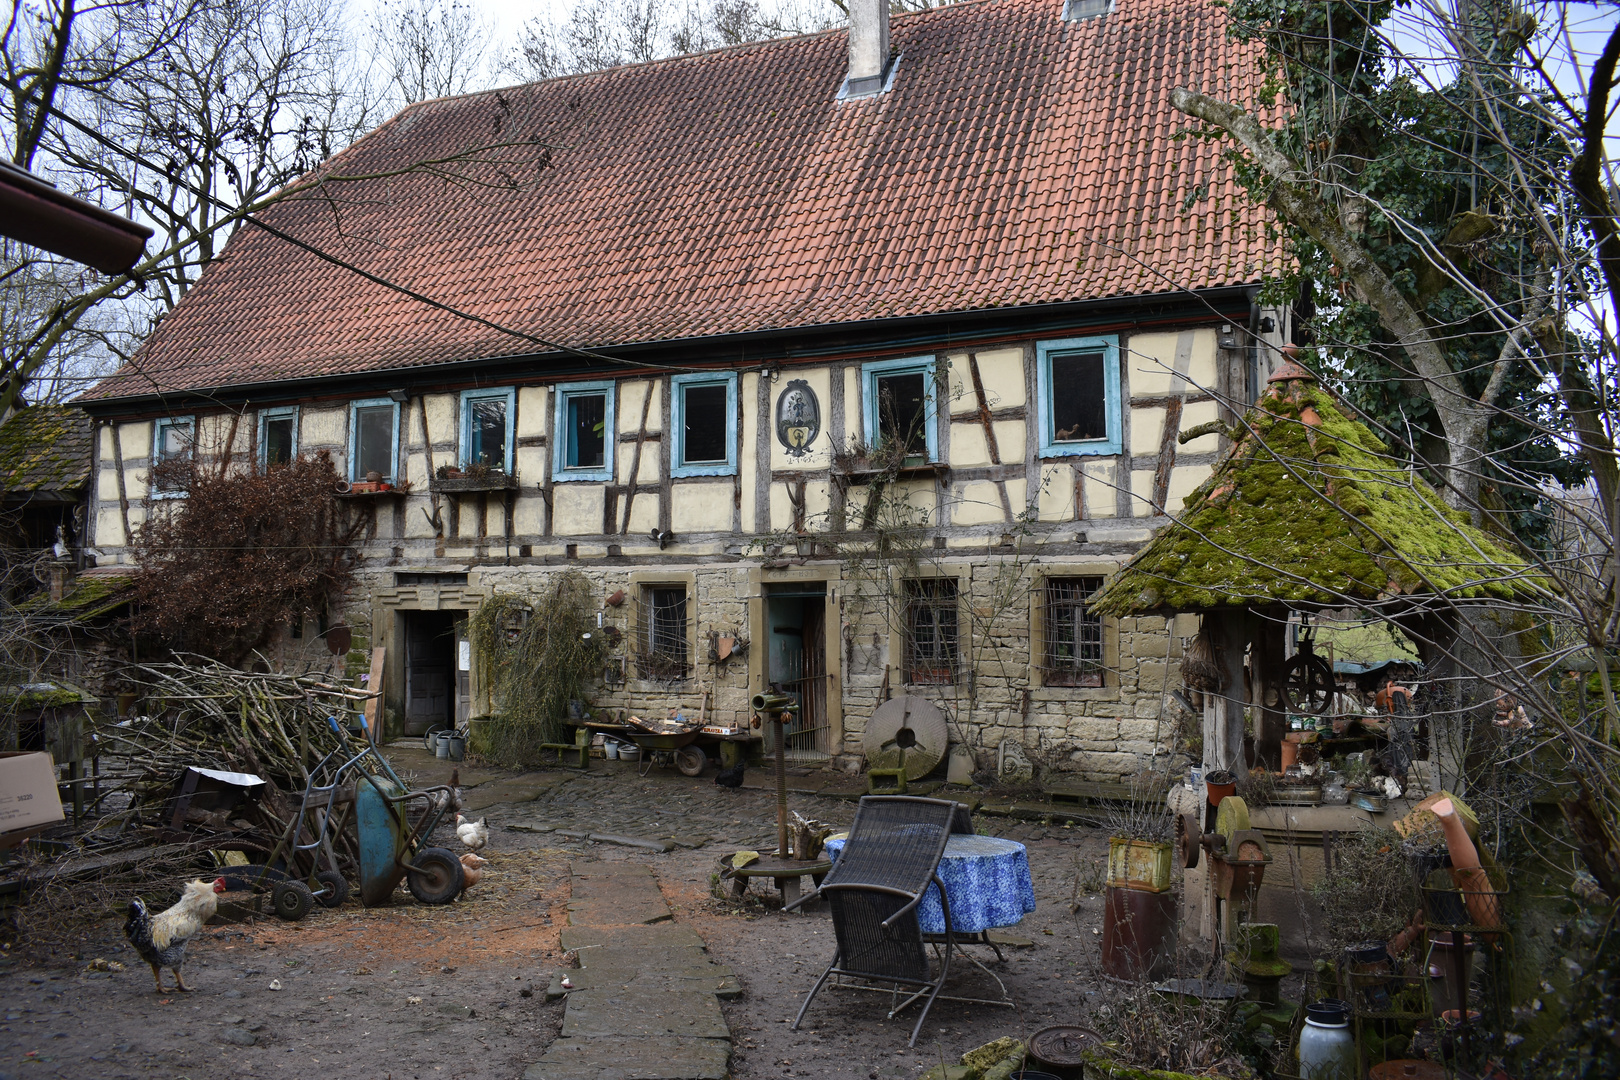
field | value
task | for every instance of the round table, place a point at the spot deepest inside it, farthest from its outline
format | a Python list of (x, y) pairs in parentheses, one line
[(987, 879)]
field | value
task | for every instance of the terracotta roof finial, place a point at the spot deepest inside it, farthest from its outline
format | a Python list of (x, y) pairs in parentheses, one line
[(1291, 370)]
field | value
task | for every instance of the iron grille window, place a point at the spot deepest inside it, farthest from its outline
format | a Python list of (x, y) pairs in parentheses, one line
[(1074, 651), (665, 656), (931, 638)]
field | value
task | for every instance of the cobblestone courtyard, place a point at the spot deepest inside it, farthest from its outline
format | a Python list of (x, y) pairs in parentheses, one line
[(460, 991)]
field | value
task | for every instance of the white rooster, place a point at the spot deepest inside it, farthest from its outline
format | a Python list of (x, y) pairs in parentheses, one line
[(475, 834)]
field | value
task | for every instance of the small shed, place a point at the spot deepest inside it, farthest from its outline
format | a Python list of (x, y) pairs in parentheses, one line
[(1306, 512)]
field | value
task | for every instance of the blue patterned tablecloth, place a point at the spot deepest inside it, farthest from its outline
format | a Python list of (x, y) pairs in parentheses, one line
[(988, 882)]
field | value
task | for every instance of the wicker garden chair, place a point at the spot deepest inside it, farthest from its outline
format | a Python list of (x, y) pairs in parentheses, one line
[(889, 860)]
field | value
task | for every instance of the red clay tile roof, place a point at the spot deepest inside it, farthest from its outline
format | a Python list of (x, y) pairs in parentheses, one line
[(1018, 159)]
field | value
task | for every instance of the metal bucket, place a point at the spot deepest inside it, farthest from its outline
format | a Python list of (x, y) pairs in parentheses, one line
[(455, 747), (1138, 933)]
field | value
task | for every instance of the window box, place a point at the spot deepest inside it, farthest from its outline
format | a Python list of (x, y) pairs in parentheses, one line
[(367, 489), (863, 470), (495, 481)]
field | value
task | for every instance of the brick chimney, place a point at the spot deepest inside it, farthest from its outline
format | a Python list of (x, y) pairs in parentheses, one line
[(868, 47)]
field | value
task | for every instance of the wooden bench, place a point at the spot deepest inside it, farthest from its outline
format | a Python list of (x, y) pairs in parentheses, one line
[(564, 749)]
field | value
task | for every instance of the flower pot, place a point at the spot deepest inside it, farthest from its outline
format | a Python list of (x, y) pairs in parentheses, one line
[(1139, 864), (1290, 754)]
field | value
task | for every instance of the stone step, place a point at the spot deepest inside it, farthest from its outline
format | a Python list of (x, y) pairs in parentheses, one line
[(710, 978), (666, 1058), (643, 1012), (658, 936)]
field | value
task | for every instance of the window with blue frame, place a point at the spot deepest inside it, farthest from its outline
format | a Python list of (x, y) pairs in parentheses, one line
[(584, 431), (1077, 382), (899, 409), (486, 428), (278, 436), (373, 439), (173, 440), (703, 412)]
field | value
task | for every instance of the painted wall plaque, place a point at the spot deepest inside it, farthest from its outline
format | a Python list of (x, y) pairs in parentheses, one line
[(798, 417)]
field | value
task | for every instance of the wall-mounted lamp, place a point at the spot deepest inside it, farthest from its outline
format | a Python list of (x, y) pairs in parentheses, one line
[(399, 396)]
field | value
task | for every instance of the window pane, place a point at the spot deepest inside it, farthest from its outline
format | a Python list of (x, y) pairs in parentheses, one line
[(931, 630), (176, 441), (487, 434), (1074, 655), (666, 633), (587, 418), (374, 441), (278, 441), (703, 415), (903, 411), (1079, 403)]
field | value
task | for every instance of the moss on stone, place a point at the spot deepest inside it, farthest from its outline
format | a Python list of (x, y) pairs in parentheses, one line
[(85, 596), (1304, 513)]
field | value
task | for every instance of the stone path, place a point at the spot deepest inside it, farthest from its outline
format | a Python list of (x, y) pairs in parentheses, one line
[(644, 1004)]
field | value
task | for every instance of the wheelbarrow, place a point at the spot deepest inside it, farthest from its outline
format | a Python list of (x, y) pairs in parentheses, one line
[(391, 845), (669, 749)]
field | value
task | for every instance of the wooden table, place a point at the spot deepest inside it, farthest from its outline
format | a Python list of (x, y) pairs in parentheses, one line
[(785, 872)]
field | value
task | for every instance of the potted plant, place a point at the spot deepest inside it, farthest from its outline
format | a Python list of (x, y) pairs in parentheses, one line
[(1141, 836)]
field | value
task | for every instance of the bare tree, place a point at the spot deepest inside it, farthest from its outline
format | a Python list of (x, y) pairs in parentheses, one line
[(432, 48)]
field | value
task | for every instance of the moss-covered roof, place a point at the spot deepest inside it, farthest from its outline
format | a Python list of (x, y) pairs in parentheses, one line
[(92, 593), (45, 452), (1309, 509)]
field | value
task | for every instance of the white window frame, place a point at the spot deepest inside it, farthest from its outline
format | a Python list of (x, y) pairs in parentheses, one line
[(678, 385), (560, 471), (284, 412), (468, 397), (159, 427), (878, 369), (355, 476)]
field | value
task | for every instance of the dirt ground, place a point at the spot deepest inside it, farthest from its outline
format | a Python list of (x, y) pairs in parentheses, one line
[(458, 992)]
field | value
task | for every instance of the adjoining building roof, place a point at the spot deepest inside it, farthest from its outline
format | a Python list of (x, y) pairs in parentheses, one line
[(89, 594), (1018, 159), (45, 454), (1308, 509)]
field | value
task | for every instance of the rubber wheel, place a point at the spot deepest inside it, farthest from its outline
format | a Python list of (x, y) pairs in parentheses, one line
[(436, 877), (292, 900), (691, 760), (334, 888)]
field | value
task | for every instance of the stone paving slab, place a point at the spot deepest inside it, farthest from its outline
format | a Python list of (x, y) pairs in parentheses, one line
[(643, 1012), (711, 978), (655, 960), (670, 1058), (659, 935), (604, 910)]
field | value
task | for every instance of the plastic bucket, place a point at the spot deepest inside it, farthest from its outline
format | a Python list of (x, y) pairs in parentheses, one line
[(610, 750)]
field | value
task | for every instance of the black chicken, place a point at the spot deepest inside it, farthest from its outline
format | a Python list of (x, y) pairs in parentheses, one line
[(732, 777)]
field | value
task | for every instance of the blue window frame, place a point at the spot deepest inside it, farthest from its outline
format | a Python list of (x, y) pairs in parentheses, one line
[(703, 412), (1077, 384), (373, 438), (899, 401), (584, 432), (174, 438), (486, 428), (278, 436)]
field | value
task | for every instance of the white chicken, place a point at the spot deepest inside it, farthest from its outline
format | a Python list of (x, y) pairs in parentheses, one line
[(475, 834)]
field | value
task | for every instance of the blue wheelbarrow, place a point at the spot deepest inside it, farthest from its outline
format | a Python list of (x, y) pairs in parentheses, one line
[(392, 824)]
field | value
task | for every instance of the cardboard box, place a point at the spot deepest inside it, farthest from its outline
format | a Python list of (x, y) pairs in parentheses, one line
[(28, 795)]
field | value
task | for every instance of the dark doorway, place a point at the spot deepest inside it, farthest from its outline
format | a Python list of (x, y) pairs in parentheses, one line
[(430, 666), (796, 619)]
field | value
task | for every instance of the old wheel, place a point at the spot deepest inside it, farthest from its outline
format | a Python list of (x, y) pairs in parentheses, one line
[(436, 877), (292, 900), (334, 889), (691, 760), (1307, 684)]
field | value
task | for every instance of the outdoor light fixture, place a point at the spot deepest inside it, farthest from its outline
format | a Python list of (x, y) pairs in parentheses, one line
[(399, 396)]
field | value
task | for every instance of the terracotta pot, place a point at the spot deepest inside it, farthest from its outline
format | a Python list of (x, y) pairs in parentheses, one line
[(1471, 879), (1290, 755), (1216, 792)]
